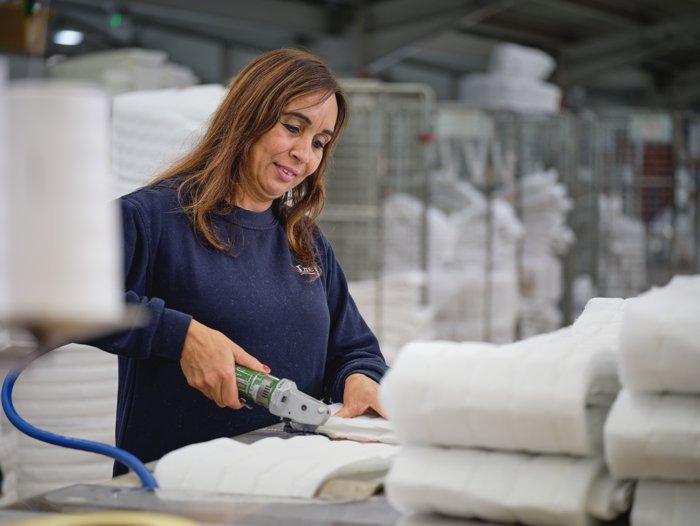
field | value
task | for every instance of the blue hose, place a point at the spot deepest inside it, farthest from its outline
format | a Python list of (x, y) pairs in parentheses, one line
[(126, 458)]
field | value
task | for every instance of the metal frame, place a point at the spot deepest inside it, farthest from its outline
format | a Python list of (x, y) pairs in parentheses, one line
[(382, 153)]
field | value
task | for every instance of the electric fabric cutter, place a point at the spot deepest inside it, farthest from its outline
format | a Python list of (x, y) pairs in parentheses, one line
[(282, 398)]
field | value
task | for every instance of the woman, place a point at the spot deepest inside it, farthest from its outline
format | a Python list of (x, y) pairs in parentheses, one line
[(224, 252)]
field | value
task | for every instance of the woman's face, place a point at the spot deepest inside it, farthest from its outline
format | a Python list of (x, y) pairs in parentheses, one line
[(291, 151)]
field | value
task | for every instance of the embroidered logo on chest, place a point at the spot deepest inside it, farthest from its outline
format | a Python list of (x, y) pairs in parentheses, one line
[(307, 271)]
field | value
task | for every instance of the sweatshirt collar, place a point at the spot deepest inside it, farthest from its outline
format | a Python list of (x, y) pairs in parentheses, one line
[(250, 219)]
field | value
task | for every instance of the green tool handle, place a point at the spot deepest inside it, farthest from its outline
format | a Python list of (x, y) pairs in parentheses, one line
[(256, 386)]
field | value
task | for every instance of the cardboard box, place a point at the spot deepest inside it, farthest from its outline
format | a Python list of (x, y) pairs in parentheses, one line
[(22, 33)]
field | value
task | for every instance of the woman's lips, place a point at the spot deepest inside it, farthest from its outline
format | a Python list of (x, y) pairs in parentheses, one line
[(285, 174)]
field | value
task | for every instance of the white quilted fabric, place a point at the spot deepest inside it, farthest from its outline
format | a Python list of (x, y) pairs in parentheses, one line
[(660, 345), (549, 393), (667, 503), (71, 391), (151, 129), (502, 487), (364, 428), (8, 462), (654, 436), (294, 467)]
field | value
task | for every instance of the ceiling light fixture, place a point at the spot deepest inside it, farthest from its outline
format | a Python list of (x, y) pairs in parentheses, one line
[(68, 37)]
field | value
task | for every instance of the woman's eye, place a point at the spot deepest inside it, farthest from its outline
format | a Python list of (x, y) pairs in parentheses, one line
[(292, 128), (319, 144)]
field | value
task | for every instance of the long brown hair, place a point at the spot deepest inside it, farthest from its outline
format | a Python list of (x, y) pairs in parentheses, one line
[(212, 174)]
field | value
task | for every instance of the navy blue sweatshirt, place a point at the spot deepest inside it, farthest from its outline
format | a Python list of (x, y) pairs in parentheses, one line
[(308, 331)]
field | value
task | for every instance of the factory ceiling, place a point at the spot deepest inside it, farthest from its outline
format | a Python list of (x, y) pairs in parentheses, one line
[(641, 50)]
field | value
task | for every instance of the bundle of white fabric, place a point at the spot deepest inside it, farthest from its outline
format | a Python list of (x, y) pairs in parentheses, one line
[(510, 433), (515, 81), (71, 391), (472, 295), (121, 70), (475, 305), (8, 462), (652, 431), (391, 303), (476, 292), (403, 223), (545, 204)]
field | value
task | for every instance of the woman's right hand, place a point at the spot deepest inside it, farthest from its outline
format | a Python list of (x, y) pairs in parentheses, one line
[(209, 361)]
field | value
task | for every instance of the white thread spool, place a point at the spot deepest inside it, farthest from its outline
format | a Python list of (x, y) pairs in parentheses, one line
[(65, 257), (4, 204)]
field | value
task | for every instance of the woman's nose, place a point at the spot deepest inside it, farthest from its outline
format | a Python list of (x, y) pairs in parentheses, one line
[(301, 151)]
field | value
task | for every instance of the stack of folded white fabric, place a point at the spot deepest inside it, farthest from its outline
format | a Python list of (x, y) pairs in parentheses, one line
[(121, 70), (403, 223), (8, 462), (474, 304), (151, 129), (653, 431), (391, 306), (672, 231), (475, 291), (514, 82), (545, 204), (71, 391), (510, 433)]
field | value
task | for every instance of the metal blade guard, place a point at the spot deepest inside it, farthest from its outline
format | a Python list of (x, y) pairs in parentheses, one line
[(282, 398)]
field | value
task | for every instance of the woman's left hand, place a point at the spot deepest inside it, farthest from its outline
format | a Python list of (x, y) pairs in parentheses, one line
[(360, 394)]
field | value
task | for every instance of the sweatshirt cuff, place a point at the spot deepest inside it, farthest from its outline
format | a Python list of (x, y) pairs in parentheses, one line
[(171, 334), (375, 373)]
